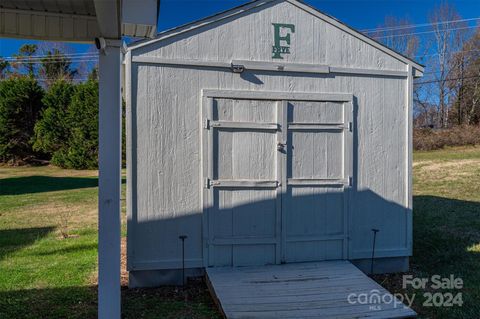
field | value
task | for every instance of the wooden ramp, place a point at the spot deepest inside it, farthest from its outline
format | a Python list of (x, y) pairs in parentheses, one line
[(303, 290)]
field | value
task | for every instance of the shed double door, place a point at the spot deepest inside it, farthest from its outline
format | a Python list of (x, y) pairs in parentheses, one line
[(277, 168)]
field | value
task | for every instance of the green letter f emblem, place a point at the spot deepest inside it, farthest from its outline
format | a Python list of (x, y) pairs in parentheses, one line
[(278, 49)]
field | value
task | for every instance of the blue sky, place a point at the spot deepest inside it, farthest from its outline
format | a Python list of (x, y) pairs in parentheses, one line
[(360, 14)]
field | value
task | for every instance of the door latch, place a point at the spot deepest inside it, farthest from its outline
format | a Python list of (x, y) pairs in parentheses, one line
[(281, 147)]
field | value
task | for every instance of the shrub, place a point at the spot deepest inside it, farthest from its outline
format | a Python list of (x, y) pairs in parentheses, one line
[(81, 148), (51, 130), (426, 139), (20, 105)]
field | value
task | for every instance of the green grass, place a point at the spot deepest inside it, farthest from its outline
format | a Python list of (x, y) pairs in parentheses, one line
[(48, 252), (48, 243), (446, 228)]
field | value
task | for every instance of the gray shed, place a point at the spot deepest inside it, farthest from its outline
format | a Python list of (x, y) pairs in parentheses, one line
[(267, 134)]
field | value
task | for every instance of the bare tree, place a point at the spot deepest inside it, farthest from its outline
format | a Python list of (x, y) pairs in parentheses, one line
[(398, 34), (395, 33), (466, 86), (449, 36)]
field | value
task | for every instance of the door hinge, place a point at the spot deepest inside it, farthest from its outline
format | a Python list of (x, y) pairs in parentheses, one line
[(350, 126), (350, 181), (206, 124)]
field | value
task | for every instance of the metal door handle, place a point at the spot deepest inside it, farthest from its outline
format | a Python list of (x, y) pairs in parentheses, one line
[(281, 146)]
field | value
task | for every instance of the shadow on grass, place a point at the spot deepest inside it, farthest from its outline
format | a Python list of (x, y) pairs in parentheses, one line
[(65, 302), (81, 302), (15, 239), (67, 250), (40, 184), (445, 234)]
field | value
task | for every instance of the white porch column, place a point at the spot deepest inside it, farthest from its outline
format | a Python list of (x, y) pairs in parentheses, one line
[(110, 148)]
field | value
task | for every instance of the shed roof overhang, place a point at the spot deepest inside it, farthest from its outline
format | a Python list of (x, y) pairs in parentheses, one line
[(78, 20)]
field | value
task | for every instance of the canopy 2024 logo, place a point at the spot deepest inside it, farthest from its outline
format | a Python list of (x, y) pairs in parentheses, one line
[(282, 43)]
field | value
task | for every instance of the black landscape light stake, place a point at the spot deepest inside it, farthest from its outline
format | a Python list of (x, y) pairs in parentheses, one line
[(182, 238), (375, 231)]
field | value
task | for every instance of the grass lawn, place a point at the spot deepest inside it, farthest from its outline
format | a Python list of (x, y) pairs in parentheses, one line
[(48, 243), (48, 252)]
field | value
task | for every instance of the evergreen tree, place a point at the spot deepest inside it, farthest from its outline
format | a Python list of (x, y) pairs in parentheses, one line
[(26, 63), (81, 149), (51, 130), (20, 105)]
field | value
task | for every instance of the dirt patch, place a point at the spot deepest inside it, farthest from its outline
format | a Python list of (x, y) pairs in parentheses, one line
[(48, 170), (447, 170), (436, 166), (66, 218), (123, 267)]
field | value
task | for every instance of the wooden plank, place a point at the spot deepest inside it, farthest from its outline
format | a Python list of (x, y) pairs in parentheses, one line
[(209, 173), (357, 71), (283, 138), (304, 290), (409, 160), (280, 159), (316, 127), (180, 62), (245, 125), (222, 183), (243, 241), (269, 66), (275, 96), (282, 67), (316, 182), (348, 174)]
